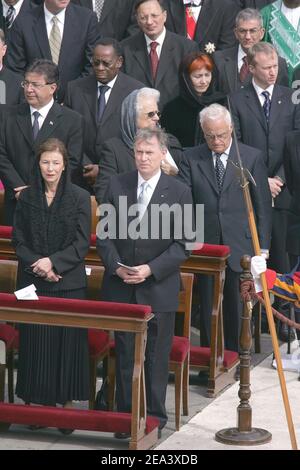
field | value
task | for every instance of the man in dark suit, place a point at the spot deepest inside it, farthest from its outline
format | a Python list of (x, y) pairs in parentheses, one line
[(272, 113), (214, 21), (48, 31), (10, 83), (27, 125), (258, 4), (208, 169), (10, 9), (84, 96), (153, 55), (232, 66), (114, 18), (153, 276)]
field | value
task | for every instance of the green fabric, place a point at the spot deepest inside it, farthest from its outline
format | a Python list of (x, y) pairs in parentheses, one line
[(282, 35)]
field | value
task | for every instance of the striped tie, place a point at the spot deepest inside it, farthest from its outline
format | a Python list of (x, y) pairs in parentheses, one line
[(55, 40), (9, 19), (98, 8)]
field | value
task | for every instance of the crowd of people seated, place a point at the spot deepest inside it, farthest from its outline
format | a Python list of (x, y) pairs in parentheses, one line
[(143, 99)]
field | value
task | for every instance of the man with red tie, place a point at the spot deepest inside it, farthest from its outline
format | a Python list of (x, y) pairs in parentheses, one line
[(153, 55)]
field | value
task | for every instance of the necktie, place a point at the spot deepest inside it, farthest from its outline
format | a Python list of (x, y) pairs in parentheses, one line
[(98, 8), (101, 101), (35, 125), (191, 23), (55, 40), (9, 19), (220, 171), (244, 70), (153, 58), (143, 198), (267, 105)]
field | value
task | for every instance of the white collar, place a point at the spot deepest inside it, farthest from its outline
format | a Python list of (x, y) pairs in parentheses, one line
[(110, 84), (196, 3), (260, 90), (44, 110), (60, 16), (241, 53), (17, 7), (159, 40), (227, 151), (152, 182)]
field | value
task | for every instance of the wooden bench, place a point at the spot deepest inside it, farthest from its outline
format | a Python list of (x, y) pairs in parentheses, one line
[(211, 260), (86, 314)]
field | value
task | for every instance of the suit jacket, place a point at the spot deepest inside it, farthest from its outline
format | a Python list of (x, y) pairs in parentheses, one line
[(228, 78), (215, 23), (28, 40), (164, 255), (27, 5), (69, 262), (284, 117), (117, 158), (225, 213), (82, 96), (292, 173), (115, 17), (17, 147), (137, 63), (257, 4), (10, 85)]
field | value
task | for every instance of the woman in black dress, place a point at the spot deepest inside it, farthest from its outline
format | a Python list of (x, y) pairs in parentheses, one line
[(197, 90), (51, 236)]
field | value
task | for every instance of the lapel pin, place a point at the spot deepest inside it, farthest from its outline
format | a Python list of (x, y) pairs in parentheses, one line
[(162, 195), (51, 123), (279, 102)]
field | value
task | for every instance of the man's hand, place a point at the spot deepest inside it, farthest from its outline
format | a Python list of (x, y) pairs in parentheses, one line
[(52, 277), (168, 169), (275, 185), (42, 267), (18, 190), (90, 173), (134, 277)]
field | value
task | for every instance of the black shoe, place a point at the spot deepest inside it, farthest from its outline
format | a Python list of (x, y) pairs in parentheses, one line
[(66, 432), (284, 335), (122, 435)]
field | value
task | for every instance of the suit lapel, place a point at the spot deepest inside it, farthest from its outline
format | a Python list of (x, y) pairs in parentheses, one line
[(40, 33), (142, 56), (67, 42), (276, 105), (90, 95), (24, 122), (206, 166), (113, 100), (206, 17), (107, 8), (160, 193), (51, 122), (231, 72), (166, 58), (177, 13), (252, 101), (231, 172)]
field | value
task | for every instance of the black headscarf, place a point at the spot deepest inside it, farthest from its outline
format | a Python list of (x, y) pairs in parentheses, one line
[(52, 228)]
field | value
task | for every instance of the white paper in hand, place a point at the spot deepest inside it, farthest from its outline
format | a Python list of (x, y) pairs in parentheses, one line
[(27, 293)]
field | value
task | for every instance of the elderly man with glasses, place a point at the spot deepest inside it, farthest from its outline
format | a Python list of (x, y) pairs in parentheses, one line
[(210, 171), (27, 125)]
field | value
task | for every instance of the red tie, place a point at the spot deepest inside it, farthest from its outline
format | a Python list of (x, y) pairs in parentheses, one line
[(153, 58), (244, 69), (190, 23)]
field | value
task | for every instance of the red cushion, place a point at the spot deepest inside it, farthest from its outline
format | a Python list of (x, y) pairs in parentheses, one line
[(98, 341), (5, 231), (180, 349), (92, 420), (220, 251), (200, 356), (93, 239), (91, 307), (7, 334)]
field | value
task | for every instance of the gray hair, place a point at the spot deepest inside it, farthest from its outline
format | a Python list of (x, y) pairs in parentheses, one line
[(263, 47), (146, 93), (148, 133), (129, 113), (214, 112), (249, 14)]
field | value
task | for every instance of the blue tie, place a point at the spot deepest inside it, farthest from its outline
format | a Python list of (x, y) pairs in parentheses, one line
[(35, 126), (267, 105), (101, 101)]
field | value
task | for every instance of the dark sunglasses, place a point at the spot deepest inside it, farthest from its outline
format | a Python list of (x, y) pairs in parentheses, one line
[(151, 114)]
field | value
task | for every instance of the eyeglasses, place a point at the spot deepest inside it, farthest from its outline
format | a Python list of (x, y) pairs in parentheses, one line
[(151, 114), (107, 65), (144, 19), (26, 84), (212, 137), (252, 31)]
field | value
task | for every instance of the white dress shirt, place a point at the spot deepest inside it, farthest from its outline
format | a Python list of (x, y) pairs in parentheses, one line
[(159, 40), (260, 90), (61, 21), (110, 84), (17, 8), (224, 156), (196, 8), (43, 113), (241, 55), (152, 183)]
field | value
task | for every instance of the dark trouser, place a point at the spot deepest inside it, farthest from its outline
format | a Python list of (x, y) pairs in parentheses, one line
[(159, 342), (279, 260), (232, 309)]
